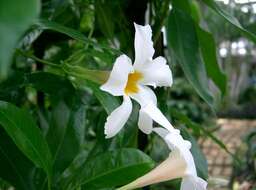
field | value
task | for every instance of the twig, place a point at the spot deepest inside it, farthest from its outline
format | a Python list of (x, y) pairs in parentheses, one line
[(25, 54)]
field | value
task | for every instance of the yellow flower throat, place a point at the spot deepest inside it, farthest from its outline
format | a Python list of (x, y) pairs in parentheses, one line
[(131, 86)]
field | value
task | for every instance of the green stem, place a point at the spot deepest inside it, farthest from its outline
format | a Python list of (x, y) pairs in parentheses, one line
[(49, 183), (162, 20), (96, 76), (89, 36), (25, 54)]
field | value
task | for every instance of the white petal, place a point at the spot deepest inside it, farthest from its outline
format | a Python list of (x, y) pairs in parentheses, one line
[(143, 45), (162, 132), (187, 184), (157, 73), (158, 117), (172, 168), (193, 183), (176, 141), (118, 118), (173, 139), (191, 167), (145, 122), (201, 184), (144, 96), (118, 76)]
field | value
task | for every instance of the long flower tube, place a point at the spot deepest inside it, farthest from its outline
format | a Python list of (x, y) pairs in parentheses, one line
[(132, 81), (179, 164)]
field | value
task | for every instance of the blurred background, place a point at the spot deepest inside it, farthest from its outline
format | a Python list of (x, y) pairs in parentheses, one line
[(236, 119), (235, 122)]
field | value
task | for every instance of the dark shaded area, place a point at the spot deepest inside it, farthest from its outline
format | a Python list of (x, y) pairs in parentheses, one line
[(247, 111)]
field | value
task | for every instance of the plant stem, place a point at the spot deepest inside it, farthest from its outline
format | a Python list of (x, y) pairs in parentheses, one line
[(25, 54), (162, 20), (49, 184)]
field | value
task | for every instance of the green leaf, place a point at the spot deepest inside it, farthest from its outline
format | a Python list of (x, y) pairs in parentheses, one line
[(108, 101), (54, 85), (206, 44), (184, 5), (66, 134), (113, 169), (70, 172), (10, 89), (14, 166), (67, 120), (21, 127), (104, 18), (49, 25), (182, 38), (195, 11), (232, 20), (199, 158), (208, 49), (15, 17)]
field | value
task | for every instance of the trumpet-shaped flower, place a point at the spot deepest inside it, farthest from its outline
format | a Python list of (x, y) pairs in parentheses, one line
[(132, 81), (179, 164)]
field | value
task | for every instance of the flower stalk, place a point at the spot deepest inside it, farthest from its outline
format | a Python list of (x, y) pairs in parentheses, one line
[(96, 76)]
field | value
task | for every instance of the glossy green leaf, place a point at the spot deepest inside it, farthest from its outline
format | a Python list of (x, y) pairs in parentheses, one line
[(104, 18), (66, 133), (72, 170), (67, 121), (215, 7), (190, 7), (206, 44), (184, 5), (113, 169), (195, 11), (23, 130), (15, 168), (208, 49), (15, 17), (199, 158), (182, 38)]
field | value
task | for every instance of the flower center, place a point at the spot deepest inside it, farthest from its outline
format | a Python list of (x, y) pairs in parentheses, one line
[(131, 86)]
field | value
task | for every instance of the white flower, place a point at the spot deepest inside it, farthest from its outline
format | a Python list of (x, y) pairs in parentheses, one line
[(179, 164), (130, 81), (181, 151)]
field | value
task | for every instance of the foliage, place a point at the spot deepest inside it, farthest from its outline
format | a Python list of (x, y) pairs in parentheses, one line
[(52, 111)]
